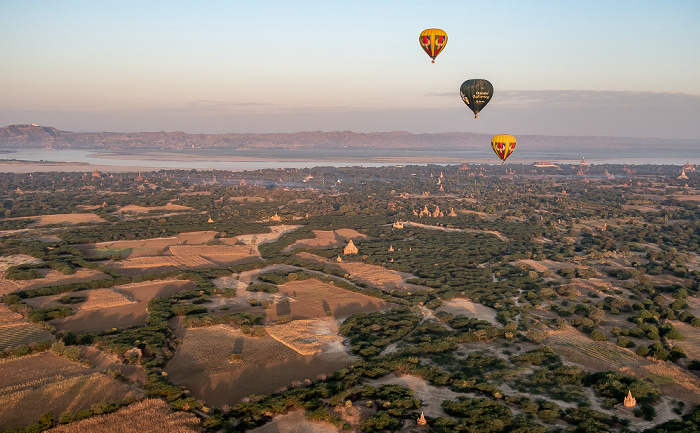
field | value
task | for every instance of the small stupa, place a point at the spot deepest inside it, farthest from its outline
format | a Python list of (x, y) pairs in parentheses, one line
[(391, 248), (422, 420), (210, 220), (350, 248), (630, 401)]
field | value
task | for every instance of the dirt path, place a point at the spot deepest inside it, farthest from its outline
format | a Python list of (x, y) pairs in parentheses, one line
[(448, 229)]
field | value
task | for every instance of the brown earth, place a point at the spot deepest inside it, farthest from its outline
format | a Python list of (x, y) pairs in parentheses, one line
[(50, 278), (123, 315), (205, 365), (376, 276), (96, 299), (311, 299), (295, 422), (141, 209), (67, 218), (465, 307), (147, 416), (325, 238)]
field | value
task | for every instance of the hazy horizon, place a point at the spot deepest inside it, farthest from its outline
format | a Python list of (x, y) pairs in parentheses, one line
[(558, 68)]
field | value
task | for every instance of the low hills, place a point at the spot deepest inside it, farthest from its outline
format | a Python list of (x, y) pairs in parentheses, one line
[(35, 136)]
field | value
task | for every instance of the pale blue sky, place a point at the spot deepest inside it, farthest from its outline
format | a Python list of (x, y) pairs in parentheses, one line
[(614, 67)]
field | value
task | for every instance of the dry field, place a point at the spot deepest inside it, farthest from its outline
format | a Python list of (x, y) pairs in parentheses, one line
[(102, 361), (151, 264), (19, 334), (259, 238), (691, 344), (67, 218), (326, 238), (147, 416), (311, 299), (123, 315), (14, 372), (577, 348), (30, 400), (96, 299), (694, 197), (295, 422), (465, 307), (373, 275), (308, 337), (221, 255), (205, 364), (50, 278), (141, 209)]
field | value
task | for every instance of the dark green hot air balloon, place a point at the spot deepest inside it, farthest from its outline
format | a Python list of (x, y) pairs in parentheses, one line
[(476, 94)]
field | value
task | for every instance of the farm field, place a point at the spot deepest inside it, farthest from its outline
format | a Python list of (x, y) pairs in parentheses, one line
[(9, 317), (17, 335), (96, 299), (327, 238), (310, 299), (143, 209), (49, 278), (69, 218), (308, 337), (577, 348), (134, 313), (373, 275), (59, 395), (205, 365), (146, 416)]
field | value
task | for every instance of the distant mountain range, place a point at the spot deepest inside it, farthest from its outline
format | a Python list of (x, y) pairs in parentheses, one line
[(34, 136)]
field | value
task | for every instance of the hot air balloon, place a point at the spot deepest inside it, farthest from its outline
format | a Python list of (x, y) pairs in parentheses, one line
[(433, 41), (503, 145), (476, 94)]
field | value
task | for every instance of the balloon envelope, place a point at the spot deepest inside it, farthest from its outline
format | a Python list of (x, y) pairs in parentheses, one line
[(433, 41), (476, 94), (503, 145)]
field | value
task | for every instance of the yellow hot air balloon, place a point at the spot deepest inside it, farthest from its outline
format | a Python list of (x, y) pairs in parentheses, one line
[(503, 145), (433, 41)]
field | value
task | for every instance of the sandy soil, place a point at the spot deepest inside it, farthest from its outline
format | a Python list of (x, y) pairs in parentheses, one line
[(431, 397), (295, 422), (9, 317), (542, 265), (259, 238), (123, 315), (308, 337), (327, 238), (221, 255), (425, 226), (465, 307), (18, 259)]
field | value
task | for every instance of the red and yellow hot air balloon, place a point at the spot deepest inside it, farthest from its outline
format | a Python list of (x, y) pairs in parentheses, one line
[(433, 41), (503, 145)]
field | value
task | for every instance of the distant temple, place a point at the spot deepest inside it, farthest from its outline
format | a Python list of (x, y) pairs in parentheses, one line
[(452, 213), (683, 175), (630, 401), (583, 161), (545, 164), (210, 220), (350, 248), (391, 248), (399, 224), (422, 420), (275, 217), (688, 167), (96, 175), (464, 166)]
